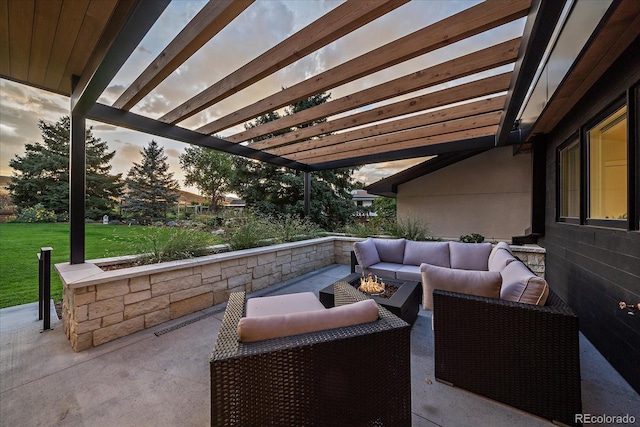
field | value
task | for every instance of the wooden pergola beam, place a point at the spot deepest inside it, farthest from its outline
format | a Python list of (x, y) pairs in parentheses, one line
[(211, 19), (443, 115), (407, 145), (481, 60), (460, 26), (460, 93), (400, 140), (342, 20)]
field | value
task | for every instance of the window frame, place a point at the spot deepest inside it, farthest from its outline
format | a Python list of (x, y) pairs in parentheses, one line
[(585, 192), (572, 140)]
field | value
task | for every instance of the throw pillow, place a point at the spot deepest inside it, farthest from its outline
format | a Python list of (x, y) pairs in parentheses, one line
[(366, 253), (480, 283)]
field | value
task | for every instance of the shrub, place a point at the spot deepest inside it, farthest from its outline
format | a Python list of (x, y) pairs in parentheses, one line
[(251, 233), (164, 244), (472, 238), (362, 230), (410, 228), (290, 228), (36, 213)]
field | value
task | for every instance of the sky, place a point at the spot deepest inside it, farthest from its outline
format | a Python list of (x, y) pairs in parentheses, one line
[(261, 26)]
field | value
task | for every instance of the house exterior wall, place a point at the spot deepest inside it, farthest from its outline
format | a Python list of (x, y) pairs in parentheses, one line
[(593, 268), (489, 194)]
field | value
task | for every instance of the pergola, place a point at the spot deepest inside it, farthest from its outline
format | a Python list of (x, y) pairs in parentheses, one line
[(76, 48)]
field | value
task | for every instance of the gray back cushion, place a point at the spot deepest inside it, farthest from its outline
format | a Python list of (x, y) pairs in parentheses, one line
[(390, 250), (366, 253), (469, 256), (434, 253), (519, 284), (497, 247), (481, 283), (500, 259)]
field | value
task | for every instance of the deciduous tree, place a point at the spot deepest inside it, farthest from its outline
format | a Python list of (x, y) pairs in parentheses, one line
[(209, 170)]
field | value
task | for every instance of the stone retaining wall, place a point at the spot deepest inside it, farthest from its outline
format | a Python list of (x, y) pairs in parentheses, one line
[(100, 306)]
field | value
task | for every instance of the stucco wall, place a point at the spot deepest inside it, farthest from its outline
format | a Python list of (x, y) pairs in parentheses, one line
[(489, 193)]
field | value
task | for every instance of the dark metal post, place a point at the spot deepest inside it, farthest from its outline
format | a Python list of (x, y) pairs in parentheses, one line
[(40, 286), (307, 193), (45, 286), (77, 178)]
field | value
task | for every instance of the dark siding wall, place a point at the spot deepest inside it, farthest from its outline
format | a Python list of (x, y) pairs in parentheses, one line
[(593, 268)]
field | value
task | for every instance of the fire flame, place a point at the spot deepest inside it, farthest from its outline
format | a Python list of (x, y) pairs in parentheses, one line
[(371, 285)]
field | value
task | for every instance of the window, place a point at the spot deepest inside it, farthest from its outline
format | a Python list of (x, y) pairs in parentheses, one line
[(570, 180), (608, 167)]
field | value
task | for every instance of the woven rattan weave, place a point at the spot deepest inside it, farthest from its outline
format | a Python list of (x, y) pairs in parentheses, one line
[(353, 376), (523, 355)]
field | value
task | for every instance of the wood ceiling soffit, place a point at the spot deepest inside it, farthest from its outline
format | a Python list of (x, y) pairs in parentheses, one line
[(415, 143), (340, 21), (5, 59), (472, 21), (97, 16), (47, 14), (621, 29), (398, 138), (475, 89), (71, 18), (445, 114), (20, 15), (211, 19), (482, 60), (116, 22)]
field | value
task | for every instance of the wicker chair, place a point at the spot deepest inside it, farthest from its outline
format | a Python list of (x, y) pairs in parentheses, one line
[(354, 376), (520, 354)]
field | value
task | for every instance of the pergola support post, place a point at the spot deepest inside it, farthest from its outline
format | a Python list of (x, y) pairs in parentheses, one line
[(307, 193), (77, 182)]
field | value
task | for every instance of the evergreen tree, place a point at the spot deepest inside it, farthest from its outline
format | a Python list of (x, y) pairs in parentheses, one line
[(151, 189), (209, 170), (42, 174), (277, 190)]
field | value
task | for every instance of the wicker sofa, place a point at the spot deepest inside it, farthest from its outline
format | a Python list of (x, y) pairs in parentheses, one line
[(523, 355), (319, 378)]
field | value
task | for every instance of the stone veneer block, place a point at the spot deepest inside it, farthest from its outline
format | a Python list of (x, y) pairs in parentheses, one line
[(82, 313), (137, 297), (113, 289), (175, 285), (266, 258), (252, 262), (83, 298), (211, 270), (241, 279), (171, 275), (232, 271), (146, 306), (157, 317), (88, 326), (191, 305), (220, 285), (263, 270), (188, 293), (105, 307), (118, 330), (81, 342), (112, 319), (137, 284)]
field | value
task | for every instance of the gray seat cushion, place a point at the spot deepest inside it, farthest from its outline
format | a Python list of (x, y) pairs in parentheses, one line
[(384, 269), (409, 272), (470, 256), (434, 253)]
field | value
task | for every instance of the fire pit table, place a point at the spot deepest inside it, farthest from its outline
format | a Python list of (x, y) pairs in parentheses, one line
[(404, 303)]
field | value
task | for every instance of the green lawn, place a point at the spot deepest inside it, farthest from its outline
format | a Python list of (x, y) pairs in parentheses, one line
[(20, 244)]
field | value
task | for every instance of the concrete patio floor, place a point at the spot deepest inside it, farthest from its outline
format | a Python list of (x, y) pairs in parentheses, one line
[(160, 376)]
